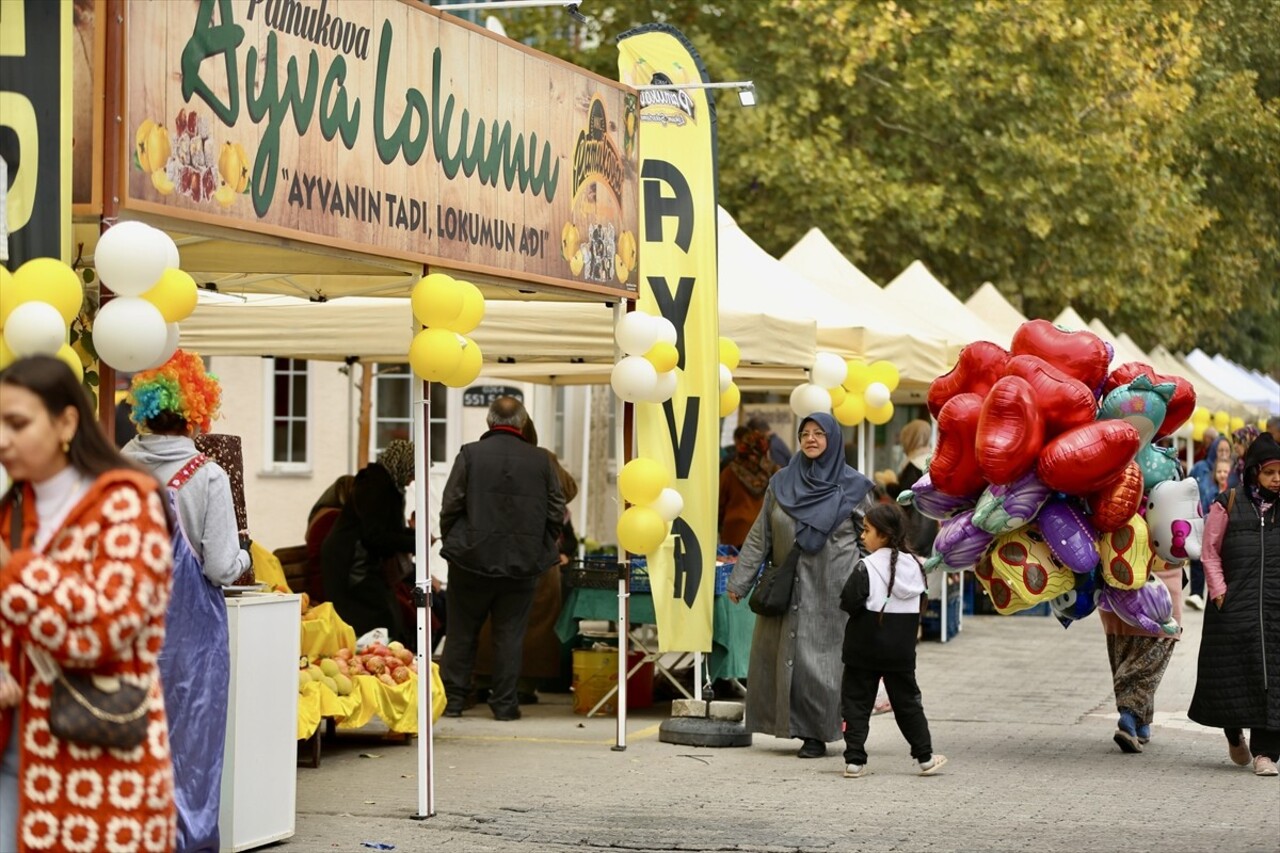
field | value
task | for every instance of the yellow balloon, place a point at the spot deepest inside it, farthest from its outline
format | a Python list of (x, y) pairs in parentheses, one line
[(851, 411), (436, 300), (858, 377), (1262, 424), (641, 530), (837, 395), (72, 359), (884, 371), (175, 295), (1237, 423), (468, 367), (7, 295), (663, 356), (729, 399), (472, 309), (880, 414), (642, 480), (1200, 416), (1221, 421), (6, 355), (730, 355), (47, 280), (435, 354), (1197, 432)]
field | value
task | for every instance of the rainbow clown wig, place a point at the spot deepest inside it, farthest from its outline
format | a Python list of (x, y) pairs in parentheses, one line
[(177, 397)]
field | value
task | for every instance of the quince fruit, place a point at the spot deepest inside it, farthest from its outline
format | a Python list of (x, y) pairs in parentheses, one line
[(620, 267), (627, 249), (233, 166), (576, 263), (570, 240), (160, 180), (151, 146)]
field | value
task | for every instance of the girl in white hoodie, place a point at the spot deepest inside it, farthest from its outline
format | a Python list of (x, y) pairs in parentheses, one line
[(883, 598)]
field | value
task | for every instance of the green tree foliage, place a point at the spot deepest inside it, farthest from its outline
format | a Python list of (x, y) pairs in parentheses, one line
[(1117, 157)]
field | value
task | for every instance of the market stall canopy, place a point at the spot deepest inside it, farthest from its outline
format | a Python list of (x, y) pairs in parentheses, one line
[(1234, 380), (520, 333), (916, 286), (1207, 394), (1120, 352), (1070, 320), (820, 262), (752, 279), (990, 304)]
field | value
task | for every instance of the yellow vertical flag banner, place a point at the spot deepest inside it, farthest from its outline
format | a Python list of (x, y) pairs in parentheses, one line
[(677, 136)]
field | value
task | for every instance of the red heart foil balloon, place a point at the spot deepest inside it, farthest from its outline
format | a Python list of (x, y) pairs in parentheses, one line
[(1010, 431), (954, 467), (1064, 401), (980, 364), (1179, 408), (1118, 501), (1084, 460), (1081, 354)]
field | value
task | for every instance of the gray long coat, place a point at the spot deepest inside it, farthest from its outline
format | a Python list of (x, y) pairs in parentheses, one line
[(793, 686)]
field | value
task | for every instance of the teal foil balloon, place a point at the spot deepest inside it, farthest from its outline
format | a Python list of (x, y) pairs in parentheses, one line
[(1141, 403), (1158, 464)]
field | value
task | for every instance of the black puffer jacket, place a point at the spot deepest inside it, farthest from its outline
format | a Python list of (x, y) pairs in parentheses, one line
[(1238, 679), (502, 508)]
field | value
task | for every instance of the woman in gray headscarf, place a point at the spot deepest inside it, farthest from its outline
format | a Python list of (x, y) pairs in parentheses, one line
[(358, 556), (816, 502)]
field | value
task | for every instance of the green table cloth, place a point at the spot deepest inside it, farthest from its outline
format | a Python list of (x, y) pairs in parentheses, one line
[(731, 624)]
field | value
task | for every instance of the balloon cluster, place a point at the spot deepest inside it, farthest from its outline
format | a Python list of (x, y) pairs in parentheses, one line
[(645, 524), (138, 330), (1223, 422), (450, 310), (730, 396), (647, 373), (37, 305), (1041, 469), (851, 390)]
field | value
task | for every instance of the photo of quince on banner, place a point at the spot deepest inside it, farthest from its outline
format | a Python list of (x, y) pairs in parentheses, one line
[(137, 330), (1049, 481)]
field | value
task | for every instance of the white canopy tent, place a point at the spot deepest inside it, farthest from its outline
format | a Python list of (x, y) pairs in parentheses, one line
[(1232, 383), (1071, 321), (992, 306), (904, 337), (1121, 353), (1207, 394), (917, 287)]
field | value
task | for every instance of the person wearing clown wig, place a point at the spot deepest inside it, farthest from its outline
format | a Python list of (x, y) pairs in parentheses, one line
[(1238, 673), (170, 404)]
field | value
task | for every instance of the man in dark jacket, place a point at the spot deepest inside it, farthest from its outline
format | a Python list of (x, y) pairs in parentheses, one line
[(500, 520)]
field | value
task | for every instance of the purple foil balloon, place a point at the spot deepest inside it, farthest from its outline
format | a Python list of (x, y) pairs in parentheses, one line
[(1148, 607), (932, 503), (1111, 356), (958, 545), (1069, 535), (1003, 509)]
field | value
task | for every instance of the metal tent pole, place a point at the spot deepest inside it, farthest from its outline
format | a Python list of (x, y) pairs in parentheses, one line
[(422, 600)]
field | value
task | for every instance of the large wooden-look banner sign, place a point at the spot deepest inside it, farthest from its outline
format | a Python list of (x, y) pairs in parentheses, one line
[(678, 281), (384, 127)]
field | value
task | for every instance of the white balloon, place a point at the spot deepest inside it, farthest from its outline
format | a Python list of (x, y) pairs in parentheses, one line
[(172, 261), (664, 388), (666, 330), (810, 398), (170, 346), (828, 370), (634, 379), (130, 333), (668, 504), (876, 395), (35, 328), (636, 333), (726, 378), (131, 257)]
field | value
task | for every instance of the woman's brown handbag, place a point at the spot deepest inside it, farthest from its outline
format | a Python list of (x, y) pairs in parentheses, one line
[(98, 711)]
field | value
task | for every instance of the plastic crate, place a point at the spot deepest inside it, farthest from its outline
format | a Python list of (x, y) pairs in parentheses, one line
[(931, 621), (640, 574), (590, 573)]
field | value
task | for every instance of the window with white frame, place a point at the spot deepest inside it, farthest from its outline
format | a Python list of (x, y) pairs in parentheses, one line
[(393, 410), (288, 439)]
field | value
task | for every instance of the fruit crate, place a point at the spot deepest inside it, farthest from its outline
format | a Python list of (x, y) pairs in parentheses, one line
[(640, 575), (593, 573)]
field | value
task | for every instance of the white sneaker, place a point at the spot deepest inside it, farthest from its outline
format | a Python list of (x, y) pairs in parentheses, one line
[(855, 771), (933, 765), (1195, 602)]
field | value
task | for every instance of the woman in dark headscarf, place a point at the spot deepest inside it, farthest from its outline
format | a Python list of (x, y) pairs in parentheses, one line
[(816, 502), (742, 485), (358, 555)]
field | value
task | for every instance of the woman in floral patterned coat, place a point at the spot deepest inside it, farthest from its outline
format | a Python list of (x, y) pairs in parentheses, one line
[(84, 578)]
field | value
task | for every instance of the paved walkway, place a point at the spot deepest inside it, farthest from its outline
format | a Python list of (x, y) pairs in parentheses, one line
[(1022, 708)]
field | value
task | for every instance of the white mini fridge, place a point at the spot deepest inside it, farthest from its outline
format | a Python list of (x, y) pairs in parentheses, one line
[(259, 772)]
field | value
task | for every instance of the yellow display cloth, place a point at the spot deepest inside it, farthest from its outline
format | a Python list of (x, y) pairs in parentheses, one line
[(324, 634), (397, 706), (266, 568)]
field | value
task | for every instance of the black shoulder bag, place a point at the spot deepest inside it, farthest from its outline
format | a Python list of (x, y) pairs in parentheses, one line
[(772, 593)]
